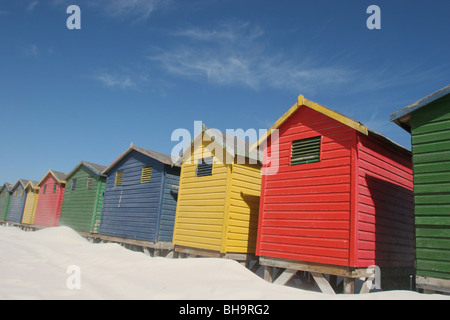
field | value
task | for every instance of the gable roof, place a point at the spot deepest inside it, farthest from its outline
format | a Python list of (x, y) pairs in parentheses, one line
[(33, 184), (8, 187), (234, 145), (302, 101), (161, 157), (22, 182), (59, 176), (97, 169), (402, 117)]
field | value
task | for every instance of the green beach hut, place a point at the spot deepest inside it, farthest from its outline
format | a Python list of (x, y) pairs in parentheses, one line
[(5, 200), (83, 198), (428, 121)]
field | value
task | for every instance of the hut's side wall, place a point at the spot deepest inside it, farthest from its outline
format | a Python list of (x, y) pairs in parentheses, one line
[(431, 158), (169, 204), (385, 215), (29, 211), (243, 209), (305, 209)]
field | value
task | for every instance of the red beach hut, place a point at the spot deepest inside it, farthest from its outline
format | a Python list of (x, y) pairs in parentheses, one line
[(340, 201), (50, 199)]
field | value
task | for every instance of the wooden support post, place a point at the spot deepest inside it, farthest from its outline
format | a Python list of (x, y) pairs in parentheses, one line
[(268, 274), (323, 283), (349, 285), (285, 276)]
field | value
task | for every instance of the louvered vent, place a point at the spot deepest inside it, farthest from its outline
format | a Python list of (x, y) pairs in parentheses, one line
[(89, 184), (305, 150), (204, 167), (146, 174), (119, 178)]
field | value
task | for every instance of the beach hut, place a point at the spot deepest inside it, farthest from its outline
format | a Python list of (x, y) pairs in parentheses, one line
[(339, 202), (5, 200), (218, 200), (32, 191), (428, 122), (50, 199), (140, 196), (83, 197), (17, 201)]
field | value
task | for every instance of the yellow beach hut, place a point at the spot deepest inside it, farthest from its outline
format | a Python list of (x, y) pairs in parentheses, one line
[(218, 198), (32, 191)]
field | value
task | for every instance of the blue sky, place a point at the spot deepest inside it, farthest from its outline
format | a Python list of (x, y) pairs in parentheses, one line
[(139, 69)]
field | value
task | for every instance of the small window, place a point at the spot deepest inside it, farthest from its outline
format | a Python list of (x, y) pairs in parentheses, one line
[(54, 188), (204, 167), (45, 188), (74, 184), (15, 194), (119, 178), (89, 184), (146, 174), (21, 193), (305, 150)]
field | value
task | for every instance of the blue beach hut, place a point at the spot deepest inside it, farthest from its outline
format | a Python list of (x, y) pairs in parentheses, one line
[(140, 196), (18, 199)]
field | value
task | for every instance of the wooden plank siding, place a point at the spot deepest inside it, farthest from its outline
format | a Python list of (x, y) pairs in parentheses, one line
[(48, 209), (17, 203), (82, 204), (385, 215), (217, 212), (305, 216), (5, 200), (430, 133), (139, 209), (243, 210), (201, 203), (29, 211), (169, 203)]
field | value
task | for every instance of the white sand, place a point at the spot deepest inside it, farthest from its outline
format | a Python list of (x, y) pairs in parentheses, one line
[(33, 265)]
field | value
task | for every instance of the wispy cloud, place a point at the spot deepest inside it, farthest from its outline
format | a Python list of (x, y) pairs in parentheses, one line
[(114, 80), (235, 53), (32, 5), (134, 10), (32, 50)]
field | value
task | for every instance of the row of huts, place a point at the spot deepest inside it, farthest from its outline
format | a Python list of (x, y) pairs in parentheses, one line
[(335, 198)]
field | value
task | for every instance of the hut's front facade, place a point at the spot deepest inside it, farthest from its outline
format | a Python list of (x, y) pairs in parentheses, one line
[(140, 196), (83, 197), (5, 200), (428, 121), (218, 201), (29, 212), (51, 194), (340, 200), (17, 201)]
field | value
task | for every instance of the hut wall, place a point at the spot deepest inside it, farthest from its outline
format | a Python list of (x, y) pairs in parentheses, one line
[(201, 203), (17, 204), (430, 132), (48, 208), (384, 226), (29, 211), (132, 210), (5, 200), (243, 209), (169, 203), (79, 203), (305, 209)]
